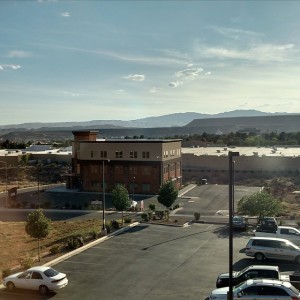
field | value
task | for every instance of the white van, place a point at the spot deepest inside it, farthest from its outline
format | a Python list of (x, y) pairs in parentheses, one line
[(272, 248)]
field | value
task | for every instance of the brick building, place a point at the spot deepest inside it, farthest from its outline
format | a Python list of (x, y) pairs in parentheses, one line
[(142, 165)]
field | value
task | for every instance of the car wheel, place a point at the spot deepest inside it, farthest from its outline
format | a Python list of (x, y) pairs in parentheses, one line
[(43, 290), (259, 256), (10, 285), (297, 259)]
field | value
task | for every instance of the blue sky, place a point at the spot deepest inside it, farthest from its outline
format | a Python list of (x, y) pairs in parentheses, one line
[(99, 60)]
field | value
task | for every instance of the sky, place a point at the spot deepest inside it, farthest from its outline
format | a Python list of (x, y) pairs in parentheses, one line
[(67, 61)]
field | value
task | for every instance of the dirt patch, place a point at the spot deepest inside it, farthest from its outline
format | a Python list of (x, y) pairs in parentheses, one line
[(172, 221)]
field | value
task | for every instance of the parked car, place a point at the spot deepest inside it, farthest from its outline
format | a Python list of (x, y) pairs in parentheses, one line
[(272, 248), (40, 278), (268, 223), (284, 232), (258, 289), (239, 222), (250, 272)]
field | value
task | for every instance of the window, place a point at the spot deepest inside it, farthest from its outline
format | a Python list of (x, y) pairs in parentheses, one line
[(273, 291), (146, 187), (146, 171), (95, 184), (252, 290), (133, 154), (36, 275), (103, 154), (146, 154), (119, 154), (119, 170), (92, 154), (94, 169)]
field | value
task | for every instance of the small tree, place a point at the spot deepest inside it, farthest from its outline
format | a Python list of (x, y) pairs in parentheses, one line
[(167, 194), (37, 226), (261, 204), (120, 198)]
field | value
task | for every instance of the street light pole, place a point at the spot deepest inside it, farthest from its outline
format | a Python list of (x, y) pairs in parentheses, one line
[(6, 191), (231, 197), (104, 232), (133, 188)]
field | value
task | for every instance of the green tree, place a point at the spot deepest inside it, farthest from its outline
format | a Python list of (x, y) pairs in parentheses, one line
[(167, 194), (261, 204), (37, 226), (120, 198)]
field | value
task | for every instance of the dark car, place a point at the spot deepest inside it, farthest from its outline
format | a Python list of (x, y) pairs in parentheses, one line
[(239, 222), (255, 271)]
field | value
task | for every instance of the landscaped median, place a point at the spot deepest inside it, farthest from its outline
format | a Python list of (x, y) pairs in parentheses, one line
[(86, 246), (90, 244)]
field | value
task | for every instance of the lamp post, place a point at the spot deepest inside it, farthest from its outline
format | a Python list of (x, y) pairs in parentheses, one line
[(231, 199), (133, 188), (6, 191), (104, 231)]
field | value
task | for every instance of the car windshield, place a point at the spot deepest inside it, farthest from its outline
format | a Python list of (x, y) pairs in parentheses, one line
[(242, 271), (239, 286), (51, 272)]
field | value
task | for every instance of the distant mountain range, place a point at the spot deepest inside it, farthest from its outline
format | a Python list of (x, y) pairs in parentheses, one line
[(170, 120), (171, 125)]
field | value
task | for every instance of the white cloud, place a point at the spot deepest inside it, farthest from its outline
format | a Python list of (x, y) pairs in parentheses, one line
[(18, 54), (262, 52), (235, 33), (135, 77), (207, 73), (189, 74), (65, 14), (14, 67)]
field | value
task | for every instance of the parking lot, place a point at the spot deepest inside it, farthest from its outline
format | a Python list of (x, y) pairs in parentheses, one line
[(150, 262)]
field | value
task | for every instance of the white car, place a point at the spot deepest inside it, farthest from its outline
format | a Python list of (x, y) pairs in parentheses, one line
[(40, 278), (133, 204), (259, 289)]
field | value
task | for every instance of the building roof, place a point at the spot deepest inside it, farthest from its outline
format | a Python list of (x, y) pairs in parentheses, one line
[(283, 151)]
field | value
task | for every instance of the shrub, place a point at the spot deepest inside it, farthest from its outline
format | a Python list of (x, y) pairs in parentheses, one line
[(55, 249), (160, 214), (145, 217), (150, 215), (167, 215), (152, 206), (6, 273), (127, 220), (108, 227), (115, 224), (27, 262), (74, 242), (94, 234), (197, 215), (176, 206)]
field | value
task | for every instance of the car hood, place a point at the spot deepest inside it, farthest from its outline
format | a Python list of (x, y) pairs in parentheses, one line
[(220, 291), (226, 275), (12, 276)]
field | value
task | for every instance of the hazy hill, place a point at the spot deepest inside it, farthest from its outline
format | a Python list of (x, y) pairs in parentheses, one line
[(186, 124), (170, 120)]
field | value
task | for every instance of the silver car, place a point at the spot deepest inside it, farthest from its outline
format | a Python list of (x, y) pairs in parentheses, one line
[(272, 248), (255, 289)]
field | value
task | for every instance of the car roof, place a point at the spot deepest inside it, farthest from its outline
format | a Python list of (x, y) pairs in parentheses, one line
[(39, 268), (269, 239), (276, 268), (288, 227), (268, 282)]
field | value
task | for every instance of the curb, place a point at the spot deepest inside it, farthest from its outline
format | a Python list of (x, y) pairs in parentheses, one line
[(89, 245)]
